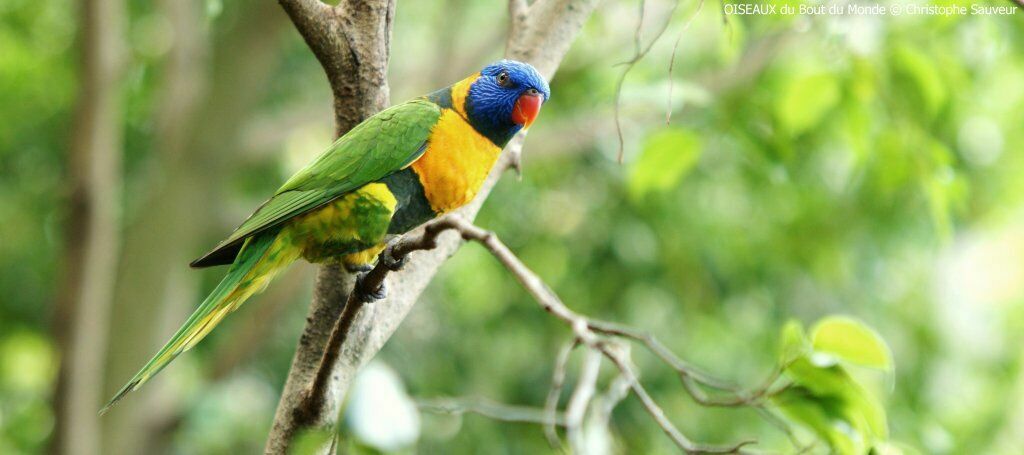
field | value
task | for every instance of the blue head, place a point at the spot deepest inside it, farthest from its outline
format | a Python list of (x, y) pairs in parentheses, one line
[(504, 99)]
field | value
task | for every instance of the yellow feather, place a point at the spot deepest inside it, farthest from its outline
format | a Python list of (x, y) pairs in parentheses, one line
[(456, 162), (381, 193), (363, 258), (460, 91)]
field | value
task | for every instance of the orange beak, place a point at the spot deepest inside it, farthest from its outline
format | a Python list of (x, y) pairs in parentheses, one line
[(526, 109)]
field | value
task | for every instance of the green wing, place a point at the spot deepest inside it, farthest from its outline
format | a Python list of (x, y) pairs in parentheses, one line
[(383, 144)]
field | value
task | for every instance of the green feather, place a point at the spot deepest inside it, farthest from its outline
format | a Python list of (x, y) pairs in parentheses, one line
[(260, 259), (380, 146)]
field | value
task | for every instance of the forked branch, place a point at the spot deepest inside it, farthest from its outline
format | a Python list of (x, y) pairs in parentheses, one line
[(590, 334)]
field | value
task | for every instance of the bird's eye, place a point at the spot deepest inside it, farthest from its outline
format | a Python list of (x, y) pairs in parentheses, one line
[(504, 80)]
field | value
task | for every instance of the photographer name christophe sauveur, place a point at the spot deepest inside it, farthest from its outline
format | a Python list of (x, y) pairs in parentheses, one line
[(864, 9)]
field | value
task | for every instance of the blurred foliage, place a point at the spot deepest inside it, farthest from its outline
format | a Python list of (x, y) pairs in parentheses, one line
[(822, 395), (868, 166)]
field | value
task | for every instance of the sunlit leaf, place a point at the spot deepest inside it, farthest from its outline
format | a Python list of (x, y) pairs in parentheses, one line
[(822, 380), (822, 395), (865, 411), (793, 342), (213, 8), (667, 157), (894, 448), (804, 101), (855, 417), (28, 364), (851, 341), (921, 78)]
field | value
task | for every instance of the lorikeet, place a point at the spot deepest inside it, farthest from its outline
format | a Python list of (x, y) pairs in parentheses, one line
[(393, 172)]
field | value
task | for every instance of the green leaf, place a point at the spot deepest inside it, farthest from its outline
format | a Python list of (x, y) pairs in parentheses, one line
[(921, 79), (849, 340), (865, 411), (820, 415), (894, 448), (793, 342), (29, 362), (823, 396), (822, 380), (312, 441), (214, 8), (803, 101), (667, 157), (855, 419)]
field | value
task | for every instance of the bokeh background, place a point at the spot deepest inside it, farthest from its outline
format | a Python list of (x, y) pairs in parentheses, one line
[(869, 166)]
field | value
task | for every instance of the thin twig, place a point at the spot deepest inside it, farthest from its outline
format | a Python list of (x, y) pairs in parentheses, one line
[(579, 324), (604, 405), (557, 381), (585, 332), (658, 414), (639, 52), (784, 427), (490, 409), (693, 379), (672, 59), (586, 387), (663, 353)]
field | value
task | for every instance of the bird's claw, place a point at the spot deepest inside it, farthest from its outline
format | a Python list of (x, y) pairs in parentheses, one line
[(391, 263), (380, 292)]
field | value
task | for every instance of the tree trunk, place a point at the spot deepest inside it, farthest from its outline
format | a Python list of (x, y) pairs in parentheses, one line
[(352, 43), (540, 34), (206, 94), (92, 232)]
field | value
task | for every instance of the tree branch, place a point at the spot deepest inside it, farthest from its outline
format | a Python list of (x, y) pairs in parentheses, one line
[(310, 18), (582, 328), (579, 402), (557, 381), (639, 52), (349, 32), (491, 410), (92, 232), (351, 41)]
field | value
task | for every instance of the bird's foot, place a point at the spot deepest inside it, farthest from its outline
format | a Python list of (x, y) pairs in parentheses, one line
[(357, 268), (367, 295), (392, 264)]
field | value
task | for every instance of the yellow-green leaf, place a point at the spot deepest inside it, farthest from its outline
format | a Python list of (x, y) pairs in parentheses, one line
[(667, 157), (803, 101), (851, 341), (821, 415), (793, 342), (921, 76)]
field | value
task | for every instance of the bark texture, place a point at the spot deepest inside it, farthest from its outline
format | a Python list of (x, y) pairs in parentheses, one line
[(540, 34), (92, 233), (352, 43)]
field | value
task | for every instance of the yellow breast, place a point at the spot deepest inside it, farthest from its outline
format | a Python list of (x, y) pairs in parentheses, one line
[(455, 164)]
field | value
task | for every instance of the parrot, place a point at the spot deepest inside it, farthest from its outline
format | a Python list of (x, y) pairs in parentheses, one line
[(398, 169)]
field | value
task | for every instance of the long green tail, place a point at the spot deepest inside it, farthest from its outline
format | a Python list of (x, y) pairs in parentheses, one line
[(258, 261)]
